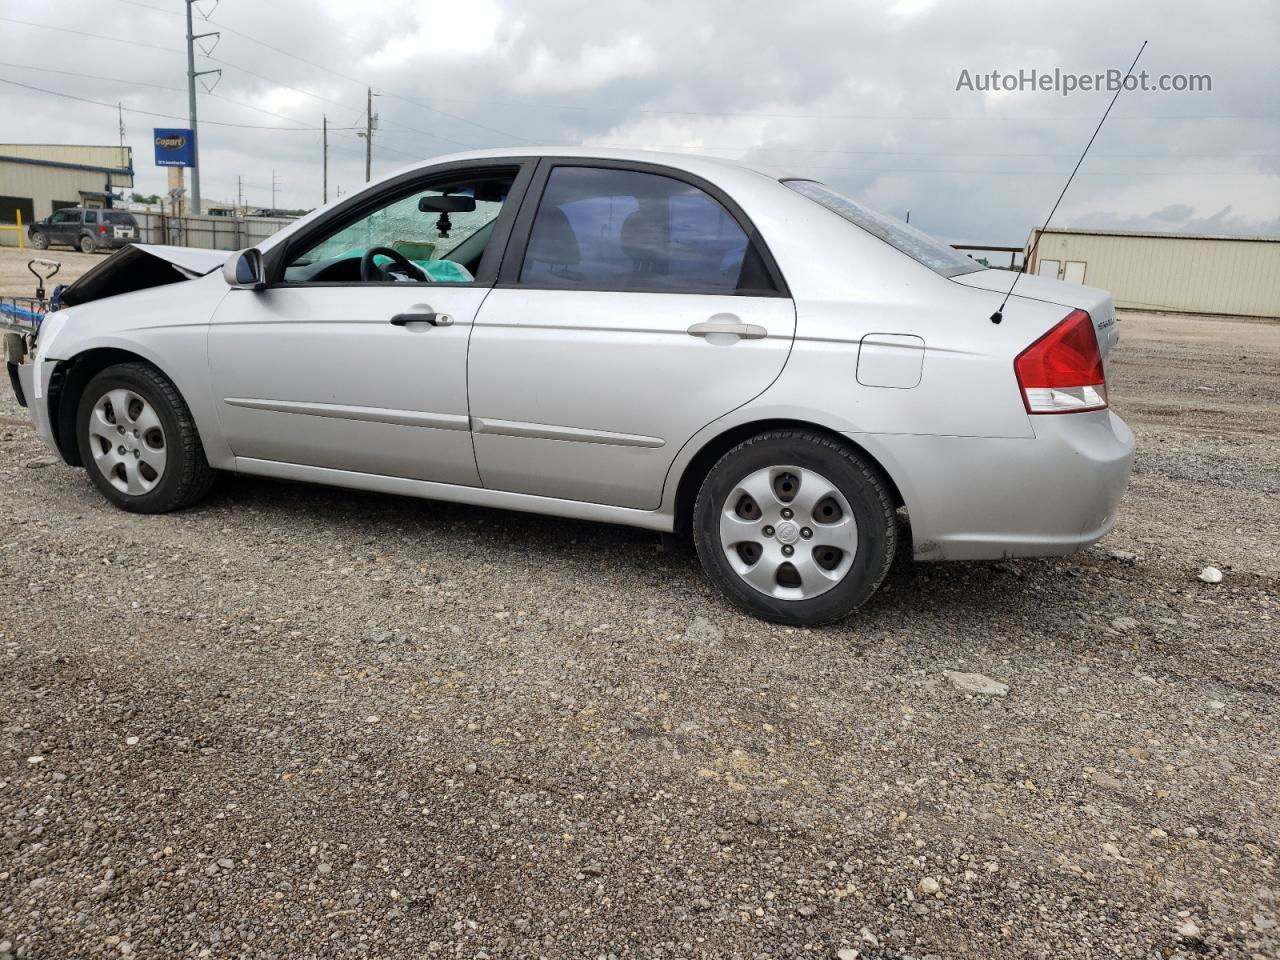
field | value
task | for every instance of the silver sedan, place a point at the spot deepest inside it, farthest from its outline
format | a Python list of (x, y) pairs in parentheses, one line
[(677, 343)]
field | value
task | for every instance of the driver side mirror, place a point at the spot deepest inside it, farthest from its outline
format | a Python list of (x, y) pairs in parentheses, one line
[(244, 270)]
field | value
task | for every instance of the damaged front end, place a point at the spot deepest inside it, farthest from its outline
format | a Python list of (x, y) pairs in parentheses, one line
[(133, 268), (138, 267)]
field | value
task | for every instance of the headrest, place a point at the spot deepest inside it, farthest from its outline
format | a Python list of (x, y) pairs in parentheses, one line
[(646, 235), (553, 240)]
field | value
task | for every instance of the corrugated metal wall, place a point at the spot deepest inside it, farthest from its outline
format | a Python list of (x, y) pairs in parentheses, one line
[(44, 185), (93, 155), (1176, 273)]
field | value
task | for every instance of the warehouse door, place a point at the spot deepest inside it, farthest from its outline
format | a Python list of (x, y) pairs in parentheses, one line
[(1073, 271), (1049, 268)]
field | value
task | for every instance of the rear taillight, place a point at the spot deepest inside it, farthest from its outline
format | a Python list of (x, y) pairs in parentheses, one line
[(102, 228), (1062, 371)]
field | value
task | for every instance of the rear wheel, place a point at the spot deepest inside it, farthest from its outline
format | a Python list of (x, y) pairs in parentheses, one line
[(87, 244), (138, 441), (795, 527), (39, 241)]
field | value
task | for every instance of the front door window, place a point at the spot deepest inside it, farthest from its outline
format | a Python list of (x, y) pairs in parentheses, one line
[(427, 235)]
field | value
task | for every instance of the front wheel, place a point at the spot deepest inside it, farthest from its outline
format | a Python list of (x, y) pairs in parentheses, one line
[(39, 241), (795, 527), (138, 441)]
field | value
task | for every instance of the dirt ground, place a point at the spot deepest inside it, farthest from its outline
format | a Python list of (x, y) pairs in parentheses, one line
[(17, 281), (296, 722)]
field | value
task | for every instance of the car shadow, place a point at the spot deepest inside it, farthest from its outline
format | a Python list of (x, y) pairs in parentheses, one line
[(980, 590)]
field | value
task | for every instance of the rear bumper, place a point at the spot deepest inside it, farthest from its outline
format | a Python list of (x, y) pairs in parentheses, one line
[(978, 498), (37, 400)]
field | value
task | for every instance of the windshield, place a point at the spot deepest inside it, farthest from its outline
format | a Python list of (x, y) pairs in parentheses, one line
[(916, 244)]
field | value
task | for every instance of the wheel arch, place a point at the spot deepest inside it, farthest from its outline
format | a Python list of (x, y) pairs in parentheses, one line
[(700, 464), (67, 386)]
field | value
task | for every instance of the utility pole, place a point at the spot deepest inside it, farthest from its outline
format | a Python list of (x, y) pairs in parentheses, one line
[(192, 73), (239, 194), (325, 148), (273, 193), (120, 114), (370, 125)]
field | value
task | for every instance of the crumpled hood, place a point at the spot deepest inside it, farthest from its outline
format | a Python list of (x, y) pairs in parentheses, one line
[(139, 266)]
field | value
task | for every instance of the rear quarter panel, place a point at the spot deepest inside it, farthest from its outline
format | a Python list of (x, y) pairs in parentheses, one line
[(848, 284)]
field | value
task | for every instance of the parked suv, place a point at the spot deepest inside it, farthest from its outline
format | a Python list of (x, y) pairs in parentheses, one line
[(84, 228)]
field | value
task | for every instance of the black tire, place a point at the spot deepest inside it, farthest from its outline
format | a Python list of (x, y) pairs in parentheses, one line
[(187, 475), (87, 243), (859, 481), (39, 241)]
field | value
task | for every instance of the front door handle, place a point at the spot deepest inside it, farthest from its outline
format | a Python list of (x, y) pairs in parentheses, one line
[(435, 319), (726, 327)]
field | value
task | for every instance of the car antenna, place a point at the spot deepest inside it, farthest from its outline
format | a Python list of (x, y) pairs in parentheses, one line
[(999, 314)]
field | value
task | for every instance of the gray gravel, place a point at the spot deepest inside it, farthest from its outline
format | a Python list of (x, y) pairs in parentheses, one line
[(297, 722)]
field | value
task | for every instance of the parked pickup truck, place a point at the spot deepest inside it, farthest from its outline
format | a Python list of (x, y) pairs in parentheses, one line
[(84, 228)]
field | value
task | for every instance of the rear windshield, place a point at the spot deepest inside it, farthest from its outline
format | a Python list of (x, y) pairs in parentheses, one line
[(122, 218), (917, 244)]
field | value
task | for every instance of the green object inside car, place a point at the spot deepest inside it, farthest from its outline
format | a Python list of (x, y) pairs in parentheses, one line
[(413, 249), (445, 271)]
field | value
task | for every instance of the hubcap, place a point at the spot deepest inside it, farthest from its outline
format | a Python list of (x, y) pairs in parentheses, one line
[(127, 441), (788, 532)]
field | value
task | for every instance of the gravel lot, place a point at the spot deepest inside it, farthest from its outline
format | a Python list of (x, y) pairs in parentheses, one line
[(298, 722), (17, 281)]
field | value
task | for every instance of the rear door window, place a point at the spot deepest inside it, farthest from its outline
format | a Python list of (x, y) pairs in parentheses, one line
[(90, 216), (603, 228)]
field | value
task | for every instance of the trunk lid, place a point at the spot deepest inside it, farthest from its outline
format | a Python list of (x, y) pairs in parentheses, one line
[(1095, 301)]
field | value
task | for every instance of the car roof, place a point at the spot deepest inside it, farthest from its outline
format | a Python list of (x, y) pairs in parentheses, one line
[(706, 166)]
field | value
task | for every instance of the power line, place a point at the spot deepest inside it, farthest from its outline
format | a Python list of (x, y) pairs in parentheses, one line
[(150, 113), (544, 105), (716, 147), (90, 76), (533, 104), (91, 36), (156, 86), (412, 156)]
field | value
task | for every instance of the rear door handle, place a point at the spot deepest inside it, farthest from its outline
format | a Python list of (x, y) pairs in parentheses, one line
[(736, 328), (435, 319)]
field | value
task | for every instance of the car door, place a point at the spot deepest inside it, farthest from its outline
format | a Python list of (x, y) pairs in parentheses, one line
[(64, 226), (636, 305), (327, 369)]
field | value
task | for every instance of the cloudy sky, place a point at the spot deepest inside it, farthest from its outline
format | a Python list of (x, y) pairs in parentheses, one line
[(860, 95)]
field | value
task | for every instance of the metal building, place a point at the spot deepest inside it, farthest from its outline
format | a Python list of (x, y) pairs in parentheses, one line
[(39, 178), (1174, 272)]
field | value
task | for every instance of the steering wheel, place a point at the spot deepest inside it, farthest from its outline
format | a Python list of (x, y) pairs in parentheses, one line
[(370, 272)]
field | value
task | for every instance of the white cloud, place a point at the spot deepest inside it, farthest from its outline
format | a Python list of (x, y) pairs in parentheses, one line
[(592, 65), (443, 32), (844, 90)]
